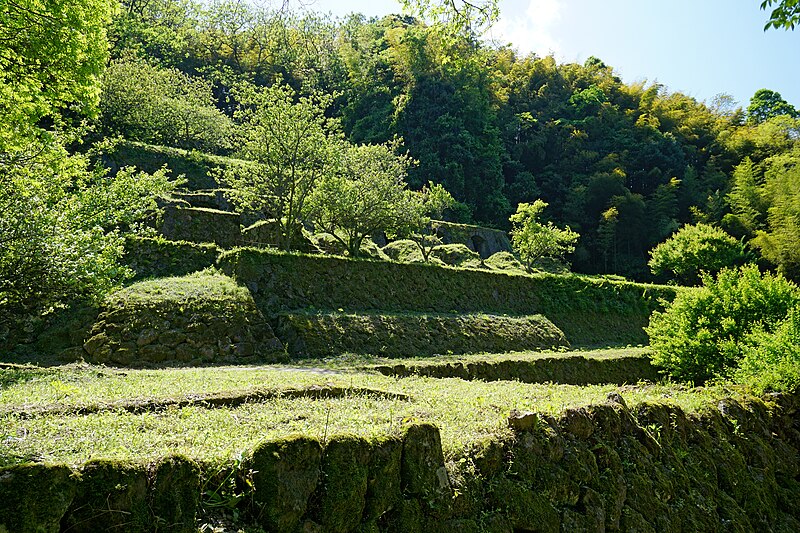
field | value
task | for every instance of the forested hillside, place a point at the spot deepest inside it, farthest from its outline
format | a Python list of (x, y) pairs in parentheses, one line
[(624, 165)]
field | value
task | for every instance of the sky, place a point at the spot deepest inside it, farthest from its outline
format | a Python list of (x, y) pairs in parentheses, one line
[(698, 47)]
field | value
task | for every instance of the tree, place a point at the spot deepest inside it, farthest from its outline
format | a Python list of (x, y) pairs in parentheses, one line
[(695, 249), (367, 196), (146, 103), (292, 146), (61, 227), (766, 104), (534, 240), (461, 15), (428, 204), (779, 242), (51, 53), (786, 14)]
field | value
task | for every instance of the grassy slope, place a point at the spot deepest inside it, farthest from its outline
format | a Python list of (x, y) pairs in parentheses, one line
[(466, 412)]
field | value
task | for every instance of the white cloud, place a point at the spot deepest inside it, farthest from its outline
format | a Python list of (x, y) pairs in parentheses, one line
[(529, 29)]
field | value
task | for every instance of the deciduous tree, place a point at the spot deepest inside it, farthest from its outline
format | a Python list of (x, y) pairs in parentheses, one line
[(532, 239)]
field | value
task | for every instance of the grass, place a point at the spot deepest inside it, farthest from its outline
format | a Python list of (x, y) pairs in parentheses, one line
[(465, 412)]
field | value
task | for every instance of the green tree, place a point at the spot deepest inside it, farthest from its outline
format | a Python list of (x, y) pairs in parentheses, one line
[(61, 227), (786, 14), (703, 332), (695, 249), (292, 146), (51, 53), (779, 242), (146, 103), (766, 104), (367, 196), (428, 205), (534, 240)]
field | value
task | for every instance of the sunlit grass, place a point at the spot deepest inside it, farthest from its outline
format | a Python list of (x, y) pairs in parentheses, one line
[(466, 412)]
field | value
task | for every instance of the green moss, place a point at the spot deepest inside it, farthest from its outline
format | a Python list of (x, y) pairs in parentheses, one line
[(35, 497), (403, 251), (457, 255), (345, 465), (204, 290), (504, 261), (285, 474), (158, 257), (175, 493), (324, 334), (112, 496), (587, 310)]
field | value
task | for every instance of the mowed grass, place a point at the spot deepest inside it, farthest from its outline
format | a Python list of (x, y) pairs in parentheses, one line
[(35, 424)]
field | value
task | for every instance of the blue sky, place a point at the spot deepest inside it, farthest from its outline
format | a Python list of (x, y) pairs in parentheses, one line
[(700, 47)]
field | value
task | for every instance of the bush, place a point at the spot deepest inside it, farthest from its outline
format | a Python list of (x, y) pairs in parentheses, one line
[(703, 333), (772, 361), (693, 249)]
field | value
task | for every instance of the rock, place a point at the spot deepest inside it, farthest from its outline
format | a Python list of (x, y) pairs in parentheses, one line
[(344, 488), (35, 497), (422, 470), (111, 497), (522, 421), (175, 494), (484, 241), (285, 474)]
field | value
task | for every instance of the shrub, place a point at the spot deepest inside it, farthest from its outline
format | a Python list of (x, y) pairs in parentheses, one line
[(695, 248), (702, 334), (772, 361)]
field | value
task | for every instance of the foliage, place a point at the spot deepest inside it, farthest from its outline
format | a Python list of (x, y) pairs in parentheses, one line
[(145, 103), (695, 249), (429, 203), (533, 240), (293, 147), (50, 56), (704, 332), (779, 241), (766, 104), (366, 197), (61, 225), (786, 14), (771, 360)]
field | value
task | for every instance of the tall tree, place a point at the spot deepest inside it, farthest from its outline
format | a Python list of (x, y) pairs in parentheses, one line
[(292, 146)]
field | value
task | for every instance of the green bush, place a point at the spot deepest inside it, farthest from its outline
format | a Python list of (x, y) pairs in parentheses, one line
[(771, 361), (695, 249), (703, 333)]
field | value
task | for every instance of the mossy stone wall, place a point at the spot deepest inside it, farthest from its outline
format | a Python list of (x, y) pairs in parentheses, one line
[(158, 257), (191, 320), (201, 225), (394, 335), (587, 310), (573, 370), (604, 467)]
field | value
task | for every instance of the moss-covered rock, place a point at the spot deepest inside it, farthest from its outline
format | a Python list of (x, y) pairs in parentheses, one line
[(285, 475), (111, 496), (403, 251), (175, 494), (423, 472), (201, 225), (457, 255), (587, 310), (35, 497), (383, 479), (159, 257), (504, 261), (343, 490), (269, 233)]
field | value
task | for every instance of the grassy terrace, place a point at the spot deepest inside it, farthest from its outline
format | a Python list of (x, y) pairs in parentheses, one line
[(74, 413)]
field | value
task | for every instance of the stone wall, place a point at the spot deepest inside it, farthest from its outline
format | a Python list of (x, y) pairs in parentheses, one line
[(414, 335), (483, 241), (181, 321), (604, 467)]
